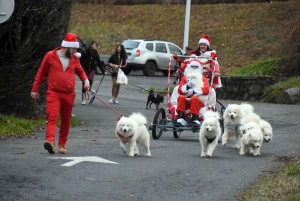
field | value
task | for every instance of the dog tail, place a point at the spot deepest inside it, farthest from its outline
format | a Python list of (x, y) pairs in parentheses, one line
[(139, 118), (247, 108)]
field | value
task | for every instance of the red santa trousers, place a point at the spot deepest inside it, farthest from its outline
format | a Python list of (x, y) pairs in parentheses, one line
[(59, 102), (195, 104)]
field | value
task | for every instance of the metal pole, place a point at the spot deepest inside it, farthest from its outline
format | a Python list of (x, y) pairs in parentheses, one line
[(186, 23)]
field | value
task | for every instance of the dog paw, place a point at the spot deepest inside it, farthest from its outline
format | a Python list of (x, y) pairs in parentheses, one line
[(236, 147), (136, 154), (132, 155), (224, 143), (208, 156), (148, 155), (203, 155), (242, 153)]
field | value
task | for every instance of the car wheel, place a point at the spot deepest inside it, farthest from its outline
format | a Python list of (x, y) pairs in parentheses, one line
[(127, 70), (98, 71), (149, 68)]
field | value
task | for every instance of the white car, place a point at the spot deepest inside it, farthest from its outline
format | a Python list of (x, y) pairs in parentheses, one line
[(150, 55)]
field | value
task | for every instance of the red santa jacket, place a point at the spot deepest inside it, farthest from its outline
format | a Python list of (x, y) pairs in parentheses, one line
[(58, 79), (182, 90)]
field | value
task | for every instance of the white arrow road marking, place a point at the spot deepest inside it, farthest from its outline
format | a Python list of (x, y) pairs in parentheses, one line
[(76, 160)]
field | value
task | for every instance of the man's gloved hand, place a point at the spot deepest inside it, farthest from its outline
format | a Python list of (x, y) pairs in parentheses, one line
[(34, 95), (190, 92), (192, 82), (198, 91), (175, 56)]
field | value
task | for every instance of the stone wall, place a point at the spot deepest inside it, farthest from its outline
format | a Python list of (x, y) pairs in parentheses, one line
[(245, 88)]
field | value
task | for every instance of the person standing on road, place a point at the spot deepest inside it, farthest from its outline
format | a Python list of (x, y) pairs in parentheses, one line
[(116, 61), (89, 60), (60, 65)]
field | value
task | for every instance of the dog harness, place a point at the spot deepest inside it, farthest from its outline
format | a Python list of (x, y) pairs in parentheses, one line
[(124, 138), (245, 131), (210, 140)]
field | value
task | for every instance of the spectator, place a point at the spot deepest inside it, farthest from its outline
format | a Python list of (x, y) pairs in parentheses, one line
[(89, 60), (60, 65), (116, 61)]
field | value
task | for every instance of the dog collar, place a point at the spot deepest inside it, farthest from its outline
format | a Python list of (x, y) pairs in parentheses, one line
[(124, 138)]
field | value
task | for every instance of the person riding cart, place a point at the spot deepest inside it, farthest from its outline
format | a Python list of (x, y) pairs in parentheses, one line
[(188, 94)]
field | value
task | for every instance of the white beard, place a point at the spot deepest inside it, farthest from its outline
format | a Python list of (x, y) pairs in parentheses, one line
[(188, 70)]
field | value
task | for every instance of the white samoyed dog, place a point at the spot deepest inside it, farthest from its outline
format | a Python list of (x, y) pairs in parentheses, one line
[(266, 129), (265, 126), (132, 130), (232, 120), (210, 132), (252, 139)]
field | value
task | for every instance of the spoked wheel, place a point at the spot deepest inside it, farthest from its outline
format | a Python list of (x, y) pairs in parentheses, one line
[(160, 115)]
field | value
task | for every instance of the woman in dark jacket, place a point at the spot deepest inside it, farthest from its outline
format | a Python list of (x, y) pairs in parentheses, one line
[(116, 62), (89, 60)]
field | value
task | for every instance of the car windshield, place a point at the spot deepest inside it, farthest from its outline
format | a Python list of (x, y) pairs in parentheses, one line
[(130, 45)]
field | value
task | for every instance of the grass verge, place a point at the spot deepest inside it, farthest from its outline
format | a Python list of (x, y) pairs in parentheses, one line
[(14, 126), (282, 184)]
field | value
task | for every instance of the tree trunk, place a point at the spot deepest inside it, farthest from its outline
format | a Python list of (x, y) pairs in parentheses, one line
[(34, 28)]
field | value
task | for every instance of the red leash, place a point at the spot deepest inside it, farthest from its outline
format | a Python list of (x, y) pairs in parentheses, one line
[(87, 95)]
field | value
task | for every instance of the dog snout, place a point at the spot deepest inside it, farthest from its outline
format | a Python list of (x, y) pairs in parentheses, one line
[(231, 116), (257, 146), (125, 130)]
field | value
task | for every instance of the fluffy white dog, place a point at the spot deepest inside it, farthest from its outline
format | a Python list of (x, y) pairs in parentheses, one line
[(232, 119), (252, 139), (199, 84), (266, 129), (132, 130), (210, 132), (265, 126)]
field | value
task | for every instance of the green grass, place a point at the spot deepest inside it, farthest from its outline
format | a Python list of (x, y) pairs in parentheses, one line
[(11, 126), (291, 82), (268, 67)]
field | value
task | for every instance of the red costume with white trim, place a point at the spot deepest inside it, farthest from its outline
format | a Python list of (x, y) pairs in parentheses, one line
[(60, 93), (194, 103)]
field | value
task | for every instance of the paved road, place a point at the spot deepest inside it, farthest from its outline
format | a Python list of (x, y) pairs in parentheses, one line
[(175, 172)]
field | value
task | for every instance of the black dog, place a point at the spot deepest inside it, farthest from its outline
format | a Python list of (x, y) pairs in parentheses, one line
[(154, 98)]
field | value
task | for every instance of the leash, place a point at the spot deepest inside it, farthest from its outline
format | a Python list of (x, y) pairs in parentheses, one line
[(105, 104), (93, 98), (139, 87)]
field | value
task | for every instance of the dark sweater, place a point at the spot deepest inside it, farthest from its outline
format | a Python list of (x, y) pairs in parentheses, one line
[(90, 60)]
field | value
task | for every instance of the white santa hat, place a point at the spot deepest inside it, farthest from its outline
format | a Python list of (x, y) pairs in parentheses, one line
[(195, 63), (205, 39), (70, 41)]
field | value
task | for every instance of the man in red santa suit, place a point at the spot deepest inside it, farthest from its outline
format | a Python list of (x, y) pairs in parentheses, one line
[(60, 65), (188, 94)]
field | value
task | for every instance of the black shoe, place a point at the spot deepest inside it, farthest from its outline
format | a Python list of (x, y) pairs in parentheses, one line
[(49, 146)]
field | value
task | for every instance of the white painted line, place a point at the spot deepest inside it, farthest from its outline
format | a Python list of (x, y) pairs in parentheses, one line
[(76, 160)]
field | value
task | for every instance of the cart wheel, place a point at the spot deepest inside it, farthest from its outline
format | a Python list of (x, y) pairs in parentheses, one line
[(159, 116), (176, 134)]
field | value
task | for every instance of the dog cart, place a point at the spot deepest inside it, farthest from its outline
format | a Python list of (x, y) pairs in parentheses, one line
[(165, 120)]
